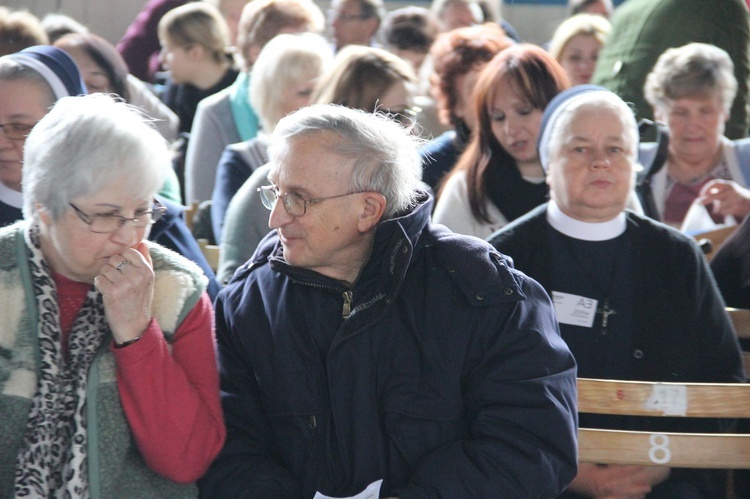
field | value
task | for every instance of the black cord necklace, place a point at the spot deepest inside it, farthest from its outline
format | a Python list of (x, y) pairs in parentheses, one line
[(603, 291)]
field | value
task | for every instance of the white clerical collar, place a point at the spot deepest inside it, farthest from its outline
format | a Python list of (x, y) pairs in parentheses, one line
[(10, 197), (586, 231)]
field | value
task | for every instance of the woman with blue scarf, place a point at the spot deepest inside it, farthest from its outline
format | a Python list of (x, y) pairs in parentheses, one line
[(227, 116)]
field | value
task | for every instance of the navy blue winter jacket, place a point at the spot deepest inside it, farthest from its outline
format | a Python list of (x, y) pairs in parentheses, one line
[(448, 378)]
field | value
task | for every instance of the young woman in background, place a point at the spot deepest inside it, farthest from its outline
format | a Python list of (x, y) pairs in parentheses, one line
[(499, 176)]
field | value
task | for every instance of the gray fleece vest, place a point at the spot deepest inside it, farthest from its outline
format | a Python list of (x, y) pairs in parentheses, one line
[(116, 468)]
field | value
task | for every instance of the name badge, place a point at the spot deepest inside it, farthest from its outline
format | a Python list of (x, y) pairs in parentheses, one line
[(574, 310)]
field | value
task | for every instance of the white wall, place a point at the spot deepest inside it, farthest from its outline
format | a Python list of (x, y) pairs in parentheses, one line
[(110, 18), (534, 23)]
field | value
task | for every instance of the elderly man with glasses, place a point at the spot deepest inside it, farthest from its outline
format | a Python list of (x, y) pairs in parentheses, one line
[(363, 350)]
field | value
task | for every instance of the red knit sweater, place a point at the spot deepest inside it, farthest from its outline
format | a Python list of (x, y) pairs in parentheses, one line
[(170, 398)]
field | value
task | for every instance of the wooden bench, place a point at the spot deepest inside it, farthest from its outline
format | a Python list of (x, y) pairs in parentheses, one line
[(211, 252), (741, 320), (710, 241), (682, 450)]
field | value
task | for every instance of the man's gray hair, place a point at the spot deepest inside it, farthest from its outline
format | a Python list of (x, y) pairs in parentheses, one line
[(386, 156), (87, 143)]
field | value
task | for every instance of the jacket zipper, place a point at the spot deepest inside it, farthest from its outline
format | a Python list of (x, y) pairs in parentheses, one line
[(348, 296), (346, 312)]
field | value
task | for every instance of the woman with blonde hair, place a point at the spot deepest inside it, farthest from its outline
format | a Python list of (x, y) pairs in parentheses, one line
[(196, 51), (576, 44), (368, 78)]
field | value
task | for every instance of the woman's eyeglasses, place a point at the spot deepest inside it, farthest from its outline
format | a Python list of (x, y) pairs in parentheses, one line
[(110, 222)]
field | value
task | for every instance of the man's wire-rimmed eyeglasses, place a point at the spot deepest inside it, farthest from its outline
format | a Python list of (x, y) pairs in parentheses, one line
[(294, 204)]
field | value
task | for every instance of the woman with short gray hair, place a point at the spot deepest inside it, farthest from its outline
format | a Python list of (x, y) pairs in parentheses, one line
[(691, 89), (693, 70), (227, 116), (110, 385)]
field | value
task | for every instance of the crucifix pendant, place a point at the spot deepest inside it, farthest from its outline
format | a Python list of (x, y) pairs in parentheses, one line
[(606, 312)]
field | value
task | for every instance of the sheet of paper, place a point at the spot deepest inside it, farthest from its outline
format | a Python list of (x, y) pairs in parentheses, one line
[(671, 400), (574, 310), (371, 492)]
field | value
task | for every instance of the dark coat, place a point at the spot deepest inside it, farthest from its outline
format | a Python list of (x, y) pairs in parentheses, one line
[(448, 379), (9, 214), (237, 163), (643, 29), (678, 302), (171, 232), (439, 156), (682, 332)]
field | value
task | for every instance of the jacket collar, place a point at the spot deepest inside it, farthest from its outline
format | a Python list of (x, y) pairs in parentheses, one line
[(395, 239), (391, 237), (408, 224)]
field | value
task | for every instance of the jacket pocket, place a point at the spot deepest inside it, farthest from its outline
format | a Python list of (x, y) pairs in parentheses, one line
[(297, 415), (421, 412)]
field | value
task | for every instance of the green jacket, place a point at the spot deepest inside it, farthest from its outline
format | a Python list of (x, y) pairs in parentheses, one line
[(116, 468), (643, 29)]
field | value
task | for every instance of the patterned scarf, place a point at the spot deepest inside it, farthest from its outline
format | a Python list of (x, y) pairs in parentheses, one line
[(52, 460)]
